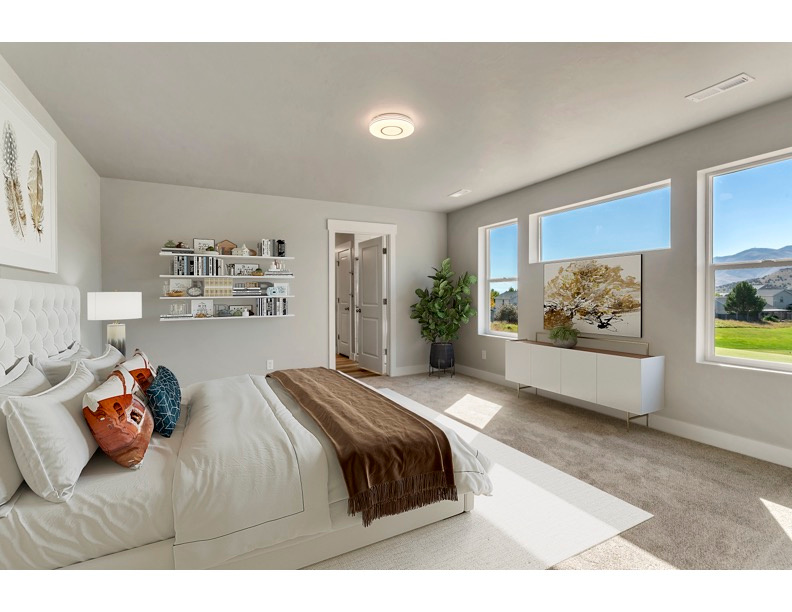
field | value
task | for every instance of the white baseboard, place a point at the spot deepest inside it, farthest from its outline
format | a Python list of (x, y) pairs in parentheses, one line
[(697, 433), (407, 370), (498, 379)]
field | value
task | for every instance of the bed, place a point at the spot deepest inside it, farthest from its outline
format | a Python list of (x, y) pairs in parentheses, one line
[(217, 494)]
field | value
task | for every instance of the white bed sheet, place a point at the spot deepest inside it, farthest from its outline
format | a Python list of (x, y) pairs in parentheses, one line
[(112, 509)]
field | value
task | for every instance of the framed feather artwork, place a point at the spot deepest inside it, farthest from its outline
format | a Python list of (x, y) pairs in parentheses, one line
[(29, 225)]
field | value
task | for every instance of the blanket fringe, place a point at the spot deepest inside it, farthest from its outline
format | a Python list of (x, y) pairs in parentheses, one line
[(399, 496)]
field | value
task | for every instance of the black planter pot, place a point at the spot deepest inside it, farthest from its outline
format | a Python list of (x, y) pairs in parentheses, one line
[(441, 356)]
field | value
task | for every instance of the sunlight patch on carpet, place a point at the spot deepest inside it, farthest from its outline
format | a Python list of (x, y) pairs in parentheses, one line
[(781, 514), (474, 410)]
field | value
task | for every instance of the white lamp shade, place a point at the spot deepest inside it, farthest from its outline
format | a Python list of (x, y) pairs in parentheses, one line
[(114, 305)]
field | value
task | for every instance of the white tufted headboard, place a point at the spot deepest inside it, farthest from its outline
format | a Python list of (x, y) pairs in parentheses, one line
[(39, 319)]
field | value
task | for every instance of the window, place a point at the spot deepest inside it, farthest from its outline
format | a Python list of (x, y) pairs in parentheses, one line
[(631, 221), (498, 276), (748, 254)]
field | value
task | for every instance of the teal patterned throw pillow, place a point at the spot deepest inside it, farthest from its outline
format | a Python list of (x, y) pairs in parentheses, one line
[(164, 399)]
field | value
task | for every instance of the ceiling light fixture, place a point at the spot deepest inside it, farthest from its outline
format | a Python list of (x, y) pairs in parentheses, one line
[(391, 126), (719, 88), (459, 194)]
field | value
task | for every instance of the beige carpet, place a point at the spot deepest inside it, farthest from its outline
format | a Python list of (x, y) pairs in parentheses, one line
[(536, 517), (713, 509)]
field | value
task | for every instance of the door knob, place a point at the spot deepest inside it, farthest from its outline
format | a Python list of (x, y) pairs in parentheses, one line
[(347, 308), (358, 310)]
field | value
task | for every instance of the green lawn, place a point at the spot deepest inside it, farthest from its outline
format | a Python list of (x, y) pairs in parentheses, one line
[(503, 327), (769, 342)]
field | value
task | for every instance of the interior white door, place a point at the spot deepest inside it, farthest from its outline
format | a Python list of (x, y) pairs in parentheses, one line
[(344, 303), (371, 308)]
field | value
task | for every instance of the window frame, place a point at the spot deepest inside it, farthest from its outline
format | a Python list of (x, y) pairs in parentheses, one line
[(535, 222), (708, 268), (484, 287)]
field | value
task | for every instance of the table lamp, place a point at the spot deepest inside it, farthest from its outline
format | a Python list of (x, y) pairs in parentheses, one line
[(115, 306)]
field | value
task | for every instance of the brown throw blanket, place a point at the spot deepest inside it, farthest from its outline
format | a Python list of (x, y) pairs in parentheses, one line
[(392, 459)]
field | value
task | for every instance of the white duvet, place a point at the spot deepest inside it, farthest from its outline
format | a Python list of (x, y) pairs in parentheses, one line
[(255, 470)]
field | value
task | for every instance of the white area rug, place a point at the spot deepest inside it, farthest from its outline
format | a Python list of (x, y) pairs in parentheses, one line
[(537, 517)]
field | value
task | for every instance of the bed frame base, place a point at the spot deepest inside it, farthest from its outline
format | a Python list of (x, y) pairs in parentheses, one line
[(293, 554)]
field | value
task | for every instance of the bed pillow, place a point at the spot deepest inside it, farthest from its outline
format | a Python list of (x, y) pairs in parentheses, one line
[(57, 369), (52, 443), (164, 400), (141, 369), (75, 351), (22, 379), (118, 420)]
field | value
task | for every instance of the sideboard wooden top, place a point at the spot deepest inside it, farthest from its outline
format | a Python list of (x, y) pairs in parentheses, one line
[(588, 350)]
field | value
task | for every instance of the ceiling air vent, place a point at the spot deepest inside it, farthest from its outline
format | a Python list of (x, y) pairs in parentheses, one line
[(719, 88)]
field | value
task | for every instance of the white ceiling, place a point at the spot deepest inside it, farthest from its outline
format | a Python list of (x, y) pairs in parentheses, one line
[(291, 119)]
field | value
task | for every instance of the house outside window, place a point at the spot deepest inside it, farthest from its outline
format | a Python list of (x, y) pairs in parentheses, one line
[(745, 294), (498, 287)]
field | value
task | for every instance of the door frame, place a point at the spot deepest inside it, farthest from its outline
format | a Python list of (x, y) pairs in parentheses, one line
[(388, 231), (347, 246)]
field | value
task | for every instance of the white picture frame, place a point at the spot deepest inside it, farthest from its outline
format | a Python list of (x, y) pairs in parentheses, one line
[(613, 308), (29, 245), (280, 288), (201, 244)]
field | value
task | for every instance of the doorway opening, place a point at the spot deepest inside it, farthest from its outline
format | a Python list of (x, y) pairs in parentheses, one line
[(361, 280)]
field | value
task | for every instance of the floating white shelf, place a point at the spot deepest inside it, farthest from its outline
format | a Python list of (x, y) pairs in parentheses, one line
[(169, 320), (166, 254), (218, 276), (224, 297)]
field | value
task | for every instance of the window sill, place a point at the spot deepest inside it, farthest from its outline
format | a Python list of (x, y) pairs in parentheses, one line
[(503, 336), (745, 365)]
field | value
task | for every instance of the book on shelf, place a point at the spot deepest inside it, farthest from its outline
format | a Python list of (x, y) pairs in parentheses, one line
[(271, 306), (197, 265), (273, 247)]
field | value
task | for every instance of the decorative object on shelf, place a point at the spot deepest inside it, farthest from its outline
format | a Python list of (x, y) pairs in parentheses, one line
[(237, 309), (257, 272), (28, 236), (195, 289), (115, 306), (178, 310), (242, 251), (277, 268), (598, 296), (273, 247), (211, 249), (200, 245), (226, 247), (240, 269), (181, 245), (169, 245), (564, 335), (449, 299), (201, 309), (279, 289), (222, 310)]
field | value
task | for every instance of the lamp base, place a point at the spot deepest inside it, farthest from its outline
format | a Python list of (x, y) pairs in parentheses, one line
[(116, 336)]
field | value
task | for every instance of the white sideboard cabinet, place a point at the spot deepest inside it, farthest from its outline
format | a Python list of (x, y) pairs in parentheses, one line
[(631, 383)]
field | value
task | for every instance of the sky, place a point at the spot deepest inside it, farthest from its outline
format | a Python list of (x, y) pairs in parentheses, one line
[(751, 208), (503, 253), (634, 223)]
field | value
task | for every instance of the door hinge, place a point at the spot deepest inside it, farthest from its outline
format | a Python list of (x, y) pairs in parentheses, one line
[(384, 250), (384, 301), (338, 300), (339, 336), (338, 263), (386, 351)]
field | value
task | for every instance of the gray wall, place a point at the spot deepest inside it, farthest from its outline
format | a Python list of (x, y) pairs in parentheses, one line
[(742, 402), (79, 244), (137, 218)]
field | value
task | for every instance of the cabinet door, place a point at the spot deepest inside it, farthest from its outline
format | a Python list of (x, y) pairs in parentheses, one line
[(579, 374), (619, 382), (546, 368), (518, 359)]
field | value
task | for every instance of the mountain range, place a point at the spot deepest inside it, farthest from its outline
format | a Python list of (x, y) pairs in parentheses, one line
[(756, 276)]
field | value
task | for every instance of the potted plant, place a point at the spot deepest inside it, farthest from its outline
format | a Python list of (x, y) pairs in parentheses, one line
[(442, 310), (564, 335)]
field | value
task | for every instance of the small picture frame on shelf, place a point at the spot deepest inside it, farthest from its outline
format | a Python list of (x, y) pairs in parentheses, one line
[(239, 310), (201, 309), (242, 269), (222, 310), (279, 289), (201, 245)]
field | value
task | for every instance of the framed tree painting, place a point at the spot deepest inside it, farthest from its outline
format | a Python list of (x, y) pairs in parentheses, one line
[(598, 296), (29, 225)]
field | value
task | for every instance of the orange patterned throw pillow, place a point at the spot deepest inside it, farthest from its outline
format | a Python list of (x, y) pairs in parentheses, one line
[(141, 369), (120, 423)]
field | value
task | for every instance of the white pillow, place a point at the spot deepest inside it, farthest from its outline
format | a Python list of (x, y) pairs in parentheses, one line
[(22, 379), (52, 442), (57, 369), (75, 351)]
